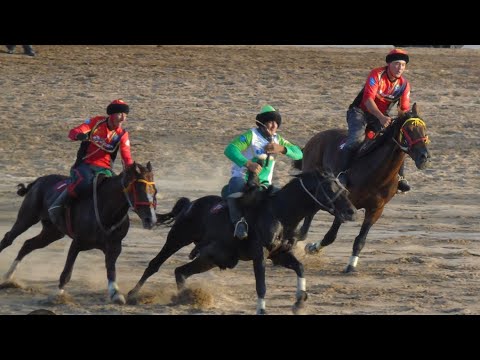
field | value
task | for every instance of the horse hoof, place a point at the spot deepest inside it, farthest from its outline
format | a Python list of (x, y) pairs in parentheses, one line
[(312, 248), (118, 299), (299, 305), (298, 309), (132, 298), (350, 270), (261, 312)]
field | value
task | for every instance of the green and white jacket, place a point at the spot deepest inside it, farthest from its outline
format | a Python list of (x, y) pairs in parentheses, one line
[(250, 146)]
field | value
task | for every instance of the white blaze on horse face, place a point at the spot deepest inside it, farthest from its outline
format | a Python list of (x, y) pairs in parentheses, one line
[(151, 200)]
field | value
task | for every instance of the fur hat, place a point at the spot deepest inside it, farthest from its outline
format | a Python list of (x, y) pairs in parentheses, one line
[(117, 106), (268, 113), (397, 54)]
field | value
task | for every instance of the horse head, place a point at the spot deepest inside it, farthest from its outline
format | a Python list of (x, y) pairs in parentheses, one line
[(141, 192), (411, 137), (328, 193)]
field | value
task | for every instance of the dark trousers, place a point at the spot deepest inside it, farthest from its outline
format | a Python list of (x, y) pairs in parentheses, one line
[(82, 178)]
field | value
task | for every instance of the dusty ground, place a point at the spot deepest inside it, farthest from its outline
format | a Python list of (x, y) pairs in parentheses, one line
[(187, 103)]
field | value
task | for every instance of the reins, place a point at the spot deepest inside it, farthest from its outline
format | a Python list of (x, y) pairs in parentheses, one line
[(330, 201), (97, 215)]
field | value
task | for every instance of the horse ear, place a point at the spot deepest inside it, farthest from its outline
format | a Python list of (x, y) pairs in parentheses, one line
[(415, 110), (149, 166)]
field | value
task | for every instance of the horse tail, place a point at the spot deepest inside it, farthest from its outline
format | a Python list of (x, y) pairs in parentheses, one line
[(297, 164), (22, 190), (179, 208)]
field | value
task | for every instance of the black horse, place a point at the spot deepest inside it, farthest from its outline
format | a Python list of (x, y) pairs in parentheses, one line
[(373, 175), (272, 218), (100, 222)]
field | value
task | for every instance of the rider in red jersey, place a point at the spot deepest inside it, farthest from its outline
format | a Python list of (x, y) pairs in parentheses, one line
[(102, 137), (385, 86)]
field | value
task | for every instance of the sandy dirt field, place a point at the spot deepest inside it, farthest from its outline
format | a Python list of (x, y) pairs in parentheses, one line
[(187, 103)]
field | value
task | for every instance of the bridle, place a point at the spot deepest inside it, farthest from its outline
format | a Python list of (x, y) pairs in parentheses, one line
[(405, 142), (130, 188), (149, 189), (320, 182)]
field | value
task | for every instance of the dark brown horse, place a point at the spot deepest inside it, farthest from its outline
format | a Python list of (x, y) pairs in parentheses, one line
[(373, 174), (272, 220), (100, 222)]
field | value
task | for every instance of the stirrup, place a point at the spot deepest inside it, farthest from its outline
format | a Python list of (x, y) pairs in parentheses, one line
[(241, 229)]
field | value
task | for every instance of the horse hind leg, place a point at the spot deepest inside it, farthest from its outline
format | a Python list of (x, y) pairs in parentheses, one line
[(48, 235), (22, 224)]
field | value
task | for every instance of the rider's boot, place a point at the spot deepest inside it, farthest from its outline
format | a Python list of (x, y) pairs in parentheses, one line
[(56, 210), (345, 161), (238, 221), (403, 185)]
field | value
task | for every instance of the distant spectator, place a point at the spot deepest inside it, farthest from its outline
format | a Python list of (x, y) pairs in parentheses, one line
[(27, 49)]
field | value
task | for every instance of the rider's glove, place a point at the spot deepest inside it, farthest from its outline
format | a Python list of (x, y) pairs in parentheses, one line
[(81, 136)]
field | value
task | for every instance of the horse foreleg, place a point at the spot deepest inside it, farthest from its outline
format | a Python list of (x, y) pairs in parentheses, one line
[(330, 236), (112, 253), (48, 235), (371, 218), (197, 266), (67, 270), (288, 260), (307, 222), (168, 250), (261, 287)]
